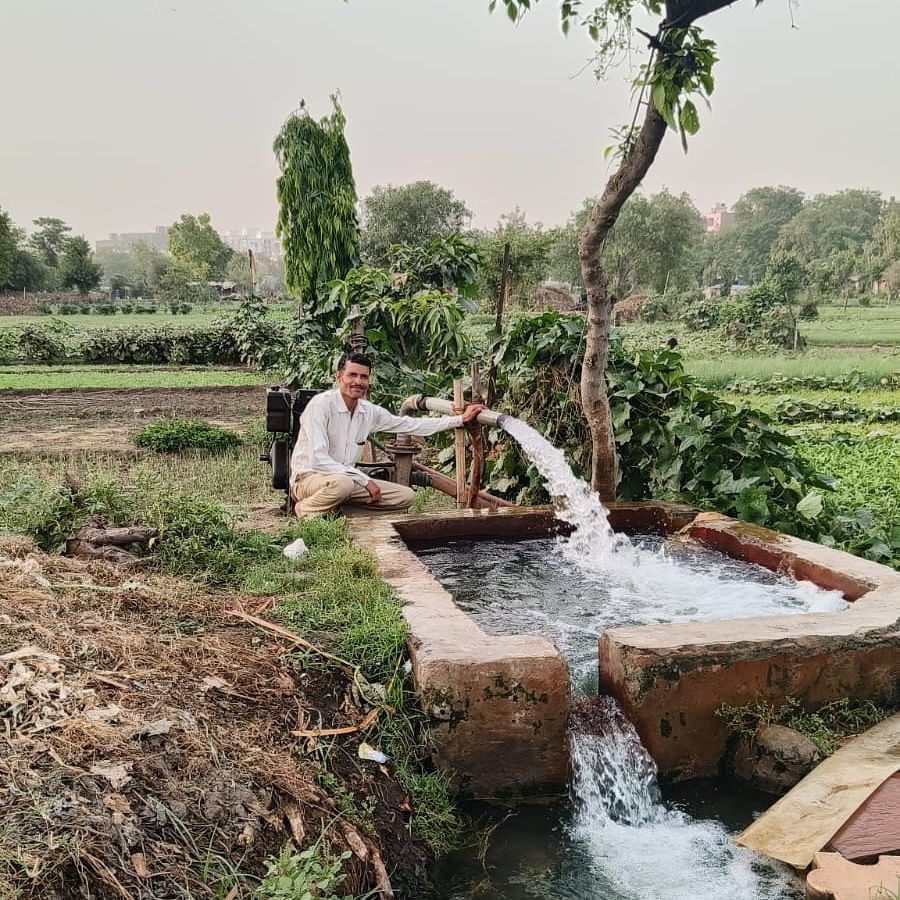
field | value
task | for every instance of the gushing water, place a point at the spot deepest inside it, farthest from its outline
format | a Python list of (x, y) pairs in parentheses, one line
[(638, 847), (652, 582)]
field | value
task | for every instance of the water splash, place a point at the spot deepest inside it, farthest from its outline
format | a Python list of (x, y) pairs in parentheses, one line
[(640, 848), (663, 588)]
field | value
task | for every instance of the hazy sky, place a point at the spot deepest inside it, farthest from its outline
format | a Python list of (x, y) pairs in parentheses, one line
[(118, 115)]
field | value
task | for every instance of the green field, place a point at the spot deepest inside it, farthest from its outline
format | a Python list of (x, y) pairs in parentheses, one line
[(49, 377), (865, 465), (200, 315), (856, 326), (720, 370), (876, 398)]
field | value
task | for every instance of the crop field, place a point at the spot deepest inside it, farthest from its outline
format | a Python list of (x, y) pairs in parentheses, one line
[(721, 369), (36, 378), (85, 417), (854, 327), (198, 315)]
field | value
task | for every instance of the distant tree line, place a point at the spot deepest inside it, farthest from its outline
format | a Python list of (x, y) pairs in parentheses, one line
[(50, 258), (829, 246)]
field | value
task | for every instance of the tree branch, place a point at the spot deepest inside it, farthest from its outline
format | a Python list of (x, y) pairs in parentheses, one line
[(621, 186), (681, 13)]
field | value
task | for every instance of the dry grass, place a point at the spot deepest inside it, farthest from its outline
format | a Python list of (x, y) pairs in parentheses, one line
[(147, 747)]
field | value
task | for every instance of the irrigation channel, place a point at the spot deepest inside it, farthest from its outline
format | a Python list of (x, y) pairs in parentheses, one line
[(617, 838)]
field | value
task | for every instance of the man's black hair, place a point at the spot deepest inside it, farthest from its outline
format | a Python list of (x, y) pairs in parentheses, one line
[(353, 357)]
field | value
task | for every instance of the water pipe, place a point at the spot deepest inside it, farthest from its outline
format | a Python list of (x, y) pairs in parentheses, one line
[(445, 408)]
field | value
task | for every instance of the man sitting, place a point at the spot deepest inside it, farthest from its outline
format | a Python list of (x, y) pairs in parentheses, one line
[(334, 429)]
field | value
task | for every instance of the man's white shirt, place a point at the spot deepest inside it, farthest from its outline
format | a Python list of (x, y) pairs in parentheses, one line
[(333, 440)]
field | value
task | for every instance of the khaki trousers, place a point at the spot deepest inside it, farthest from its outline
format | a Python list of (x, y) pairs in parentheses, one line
[(318, 493)]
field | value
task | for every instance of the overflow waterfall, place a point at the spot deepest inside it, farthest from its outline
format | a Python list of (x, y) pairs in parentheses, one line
[(636, 845)]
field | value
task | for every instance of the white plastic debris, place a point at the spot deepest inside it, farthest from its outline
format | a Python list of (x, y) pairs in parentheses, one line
[(295, 549), (365, 751), (407, 667)]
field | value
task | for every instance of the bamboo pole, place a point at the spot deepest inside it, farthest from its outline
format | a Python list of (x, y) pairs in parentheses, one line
[(498, 325), (459, 443), (477, 435)]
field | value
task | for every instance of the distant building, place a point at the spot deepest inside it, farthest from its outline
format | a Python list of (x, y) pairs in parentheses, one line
[(124, 241), (262, 243), (718, 218)]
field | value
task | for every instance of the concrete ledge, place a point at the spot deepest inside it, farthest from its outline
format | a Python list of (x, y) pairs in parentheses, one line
[(499, 705), (671, 679)]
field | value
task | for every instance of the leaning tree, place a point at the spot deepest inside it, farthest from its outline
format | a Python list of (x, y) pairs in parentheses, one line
[(317, 221), (678, 71)]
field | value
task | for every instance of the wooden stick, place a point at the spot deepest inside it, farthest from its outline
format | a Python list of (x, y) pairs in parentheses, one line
[(294, 638), (504, 273), (348, 729), (459, 443), (477, 437)]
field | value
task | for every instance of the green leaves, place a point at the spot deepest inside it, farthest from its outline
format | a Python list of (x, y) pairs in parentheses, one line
[(674, 439), (683, 67), (810, 506), (688, 118), (317, 221)]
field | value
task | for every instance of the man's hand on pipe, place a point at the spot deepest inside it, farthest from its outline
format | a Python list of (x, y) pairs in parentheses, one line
[(471, 412)]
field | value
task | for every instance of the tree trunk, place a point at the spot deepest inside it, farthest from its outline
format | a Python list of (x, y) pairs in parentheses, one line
[(594, 399)]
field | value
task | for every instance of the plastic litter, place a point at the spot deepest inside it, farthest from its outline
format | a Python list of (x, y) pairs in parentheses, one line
[(295, 549), (407, 667), (368, 752)]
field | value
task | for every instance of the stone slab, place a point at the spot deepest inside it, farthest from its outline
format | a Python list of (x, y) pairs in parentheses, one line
[(834, 878), (803, 821), (874, 828)]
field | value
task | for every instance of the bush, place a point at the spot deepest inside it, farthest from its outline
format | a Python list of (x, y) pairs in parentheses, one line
[(865, 300), (809, 309), (198, 345), (8, 345), (658, 308), (174, 435), (50, 513), (695, 311), (42, 343), (675, 439)]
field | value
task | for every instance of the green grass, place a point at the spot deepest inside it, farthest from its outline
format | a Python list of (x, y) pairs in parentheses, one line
[(827, 727), (718, 371), (49, 377), (864, 462), (857, 326), (237, 480), (866, 399)]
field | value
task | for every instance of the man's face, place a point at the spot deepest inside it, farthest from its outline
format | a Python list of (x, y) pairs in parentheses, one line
[(353, 381)]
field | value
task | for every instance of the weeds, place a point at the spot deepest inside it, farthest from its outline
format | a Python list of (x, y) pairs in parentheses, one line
[(827, 727), (341, 598), (311, 874), (174, 435)]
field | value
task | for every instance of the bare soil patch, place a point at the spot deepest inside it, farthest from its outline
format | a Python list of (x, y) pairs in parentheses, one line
[(76, 419)]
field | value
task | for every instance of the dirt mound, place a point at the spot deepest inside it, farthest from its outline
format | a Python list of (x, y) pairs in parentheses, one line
[(629, 309), (146, 747)]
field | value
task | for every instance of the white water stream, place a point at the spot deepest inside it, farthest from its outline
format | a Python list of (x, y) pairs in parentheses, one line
[(637, 847)]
